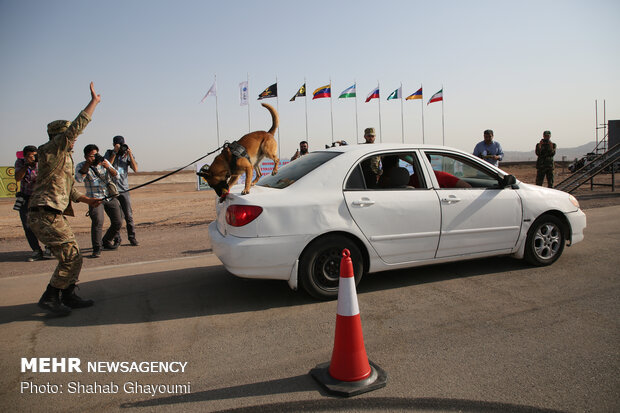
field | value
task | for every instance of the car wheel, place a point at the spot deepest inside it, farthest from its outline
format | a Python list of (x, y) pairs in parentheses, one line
[(545, 241), (319, 266)]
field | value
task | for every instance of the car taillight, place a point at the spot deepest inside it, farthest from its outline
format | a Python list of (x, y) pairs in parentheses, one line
[(240, 215)]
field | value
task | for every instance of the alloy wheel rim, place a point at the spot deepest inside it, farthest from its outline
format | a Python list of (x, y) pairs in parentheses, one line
[(547, 241)]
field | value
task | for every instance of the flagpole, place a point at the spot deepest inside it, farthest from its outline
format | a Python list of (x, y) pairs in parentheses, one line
[(356, 124), (249, 125), (306, 104), (331, 107), (422, 109), (402, 119), (278, 107), (443, 133), (217, 116), (379, 99)]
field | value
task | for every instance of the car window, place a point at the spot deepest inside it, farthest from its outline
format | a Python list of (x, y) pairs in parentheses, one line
[(453, 171), (387, 171), (295, 170)]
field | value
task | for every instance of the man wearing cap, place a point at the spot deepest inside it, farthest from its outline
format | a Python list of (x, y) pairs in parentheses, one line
[(545, 150), (488, 149), (122, 159), (371, 167), (51, 202)]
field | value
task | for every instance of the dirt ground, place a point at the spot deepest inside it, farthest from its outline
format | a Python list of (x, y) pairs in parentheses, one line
[(172, 217)]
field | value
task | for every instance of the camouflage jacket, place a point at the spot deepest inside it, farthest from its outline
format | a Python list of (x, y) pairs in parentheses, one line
[(55, 180), (545, 152)]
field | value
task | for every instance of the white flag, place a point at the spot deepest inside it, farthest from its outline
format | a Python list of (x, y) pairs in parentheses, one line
[(211, 92), (243, 93)]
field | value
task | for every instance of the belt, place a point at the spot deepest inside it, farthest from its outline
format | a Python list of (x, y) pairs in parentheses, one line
[(44, 208)]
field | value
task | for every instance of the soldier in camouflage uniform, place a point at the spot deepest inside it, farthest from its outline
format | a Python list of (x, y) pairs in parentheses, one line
[(545, 150), (51, 201), (371, 167)]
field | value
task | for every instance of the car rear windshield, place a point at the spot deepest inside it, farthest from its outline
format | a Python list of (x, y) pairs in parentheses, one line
[(296, 169)]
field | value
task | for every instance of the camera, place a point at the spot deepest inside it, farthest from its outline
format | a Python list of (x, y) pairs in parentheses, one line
[(123, 149), (98, 159)]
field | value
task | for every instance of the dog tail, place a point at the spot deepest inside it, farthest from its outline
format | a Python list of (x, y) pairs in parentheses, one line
[(275, 119)]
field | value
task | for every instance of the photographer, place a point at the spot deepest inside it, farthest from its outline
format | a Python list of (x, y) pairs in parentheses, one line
[(96, 172), (122, 159), (26, 174), (545, 167)]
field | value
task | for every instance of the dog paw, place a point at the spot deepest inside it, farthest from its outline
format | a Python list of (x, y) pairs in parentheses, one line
[(244, 192), (274, 172)]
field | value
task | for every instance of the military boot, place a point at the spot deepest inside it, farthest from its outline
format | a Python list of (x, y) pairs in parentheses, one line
[(50, 301), (71, 299)]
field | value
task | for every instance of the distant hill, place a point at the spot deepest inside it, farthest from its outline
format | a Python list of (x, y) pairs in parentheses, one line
[(570, 153)]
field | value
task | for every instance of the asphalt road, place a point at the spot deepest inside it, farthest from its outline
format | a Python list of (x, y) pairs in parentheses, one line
[(485, 335)]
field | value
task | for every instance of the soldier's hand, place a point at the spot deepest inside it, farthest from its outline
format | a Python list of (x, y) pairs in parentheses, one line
[(94, 202), (93, 95)]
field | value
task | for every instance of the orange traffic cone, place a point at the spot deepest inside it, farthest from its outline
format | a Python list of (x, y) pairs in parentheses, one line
[(350, 372)]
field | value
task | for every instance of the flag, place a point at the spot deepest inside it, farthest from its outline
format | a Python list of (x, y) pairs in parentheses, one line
[(243, 93), (323, 92), (397, 94), (373, 95), (211, 92), (416, 95), (300, 93), (270, 92), (348, 92), (436, 97)]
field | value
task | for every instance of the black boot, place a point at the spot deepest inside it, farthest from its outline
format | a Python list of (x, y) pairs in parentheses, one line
[(71, 299), (50, 301)]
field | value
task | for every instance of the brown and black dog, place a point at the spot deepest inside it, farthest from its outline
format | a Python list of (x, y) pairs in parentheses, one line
[(243, 156)]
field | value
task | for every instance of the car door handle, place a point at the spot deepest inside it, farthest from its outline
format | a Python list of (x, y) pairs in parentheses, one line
[(364, 202), (452, 199)]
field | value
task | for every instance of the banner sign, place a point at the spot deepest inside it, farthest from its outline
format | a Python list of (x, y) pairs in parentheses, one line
[(8, 186)]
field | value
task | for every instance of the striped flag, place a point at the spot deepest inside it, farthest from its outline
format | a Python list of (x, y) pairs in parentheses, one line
[(349, 92), (416, 95), (373, 95), (323, 92), (397, 94), (436, 97)]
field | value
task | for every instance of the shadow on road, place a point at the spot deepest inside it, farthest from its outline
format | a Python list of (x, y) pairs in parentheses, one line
[(207, 291)]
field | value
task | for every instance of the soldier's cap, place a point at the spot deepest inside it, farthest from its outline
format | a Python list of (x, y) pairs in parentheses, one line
[(547, 133), (118, 140), (56, 127), (369, 131)]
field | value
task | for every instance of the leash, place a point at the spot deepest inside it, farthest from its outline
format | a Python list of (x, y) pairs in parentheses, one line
[(107, 198)]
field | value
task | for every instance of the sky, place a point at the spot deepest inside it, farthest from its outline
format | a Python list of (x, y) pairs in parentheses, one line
[(517, 67)]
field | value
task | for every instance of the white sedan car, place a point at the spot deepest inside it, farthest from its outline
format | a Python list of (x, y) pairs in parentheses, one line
[(393, 206)]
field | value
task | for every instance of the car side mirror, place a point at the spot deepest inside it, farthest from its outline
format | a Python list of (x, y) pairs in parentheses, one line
[(508, 180)]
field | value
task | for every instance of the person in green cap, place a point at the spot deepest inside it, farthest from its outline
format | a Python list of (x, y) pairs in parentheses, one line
[(545, 151), (51, 202)]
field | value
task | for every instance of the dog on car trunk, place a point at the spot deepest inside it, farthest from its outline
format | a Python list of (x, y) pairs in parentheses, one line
[(243, 156)]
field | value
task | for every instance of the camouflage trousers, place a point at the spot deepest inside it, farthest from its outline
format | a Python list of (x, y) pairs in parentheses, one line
[(541, 173), (53, 230)]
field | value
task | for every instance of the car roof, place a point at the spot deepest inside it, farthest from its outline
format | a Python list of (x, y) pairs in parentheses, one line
[(362, 149)]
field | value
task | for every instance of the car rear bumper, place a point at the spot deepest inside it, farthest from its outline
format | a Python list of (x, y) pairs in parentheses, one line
[(263, 257)]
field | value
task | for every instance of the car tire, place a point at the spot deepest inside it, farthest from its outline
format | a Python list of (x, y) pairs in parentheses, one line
[(545, 241), (319, 265)]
